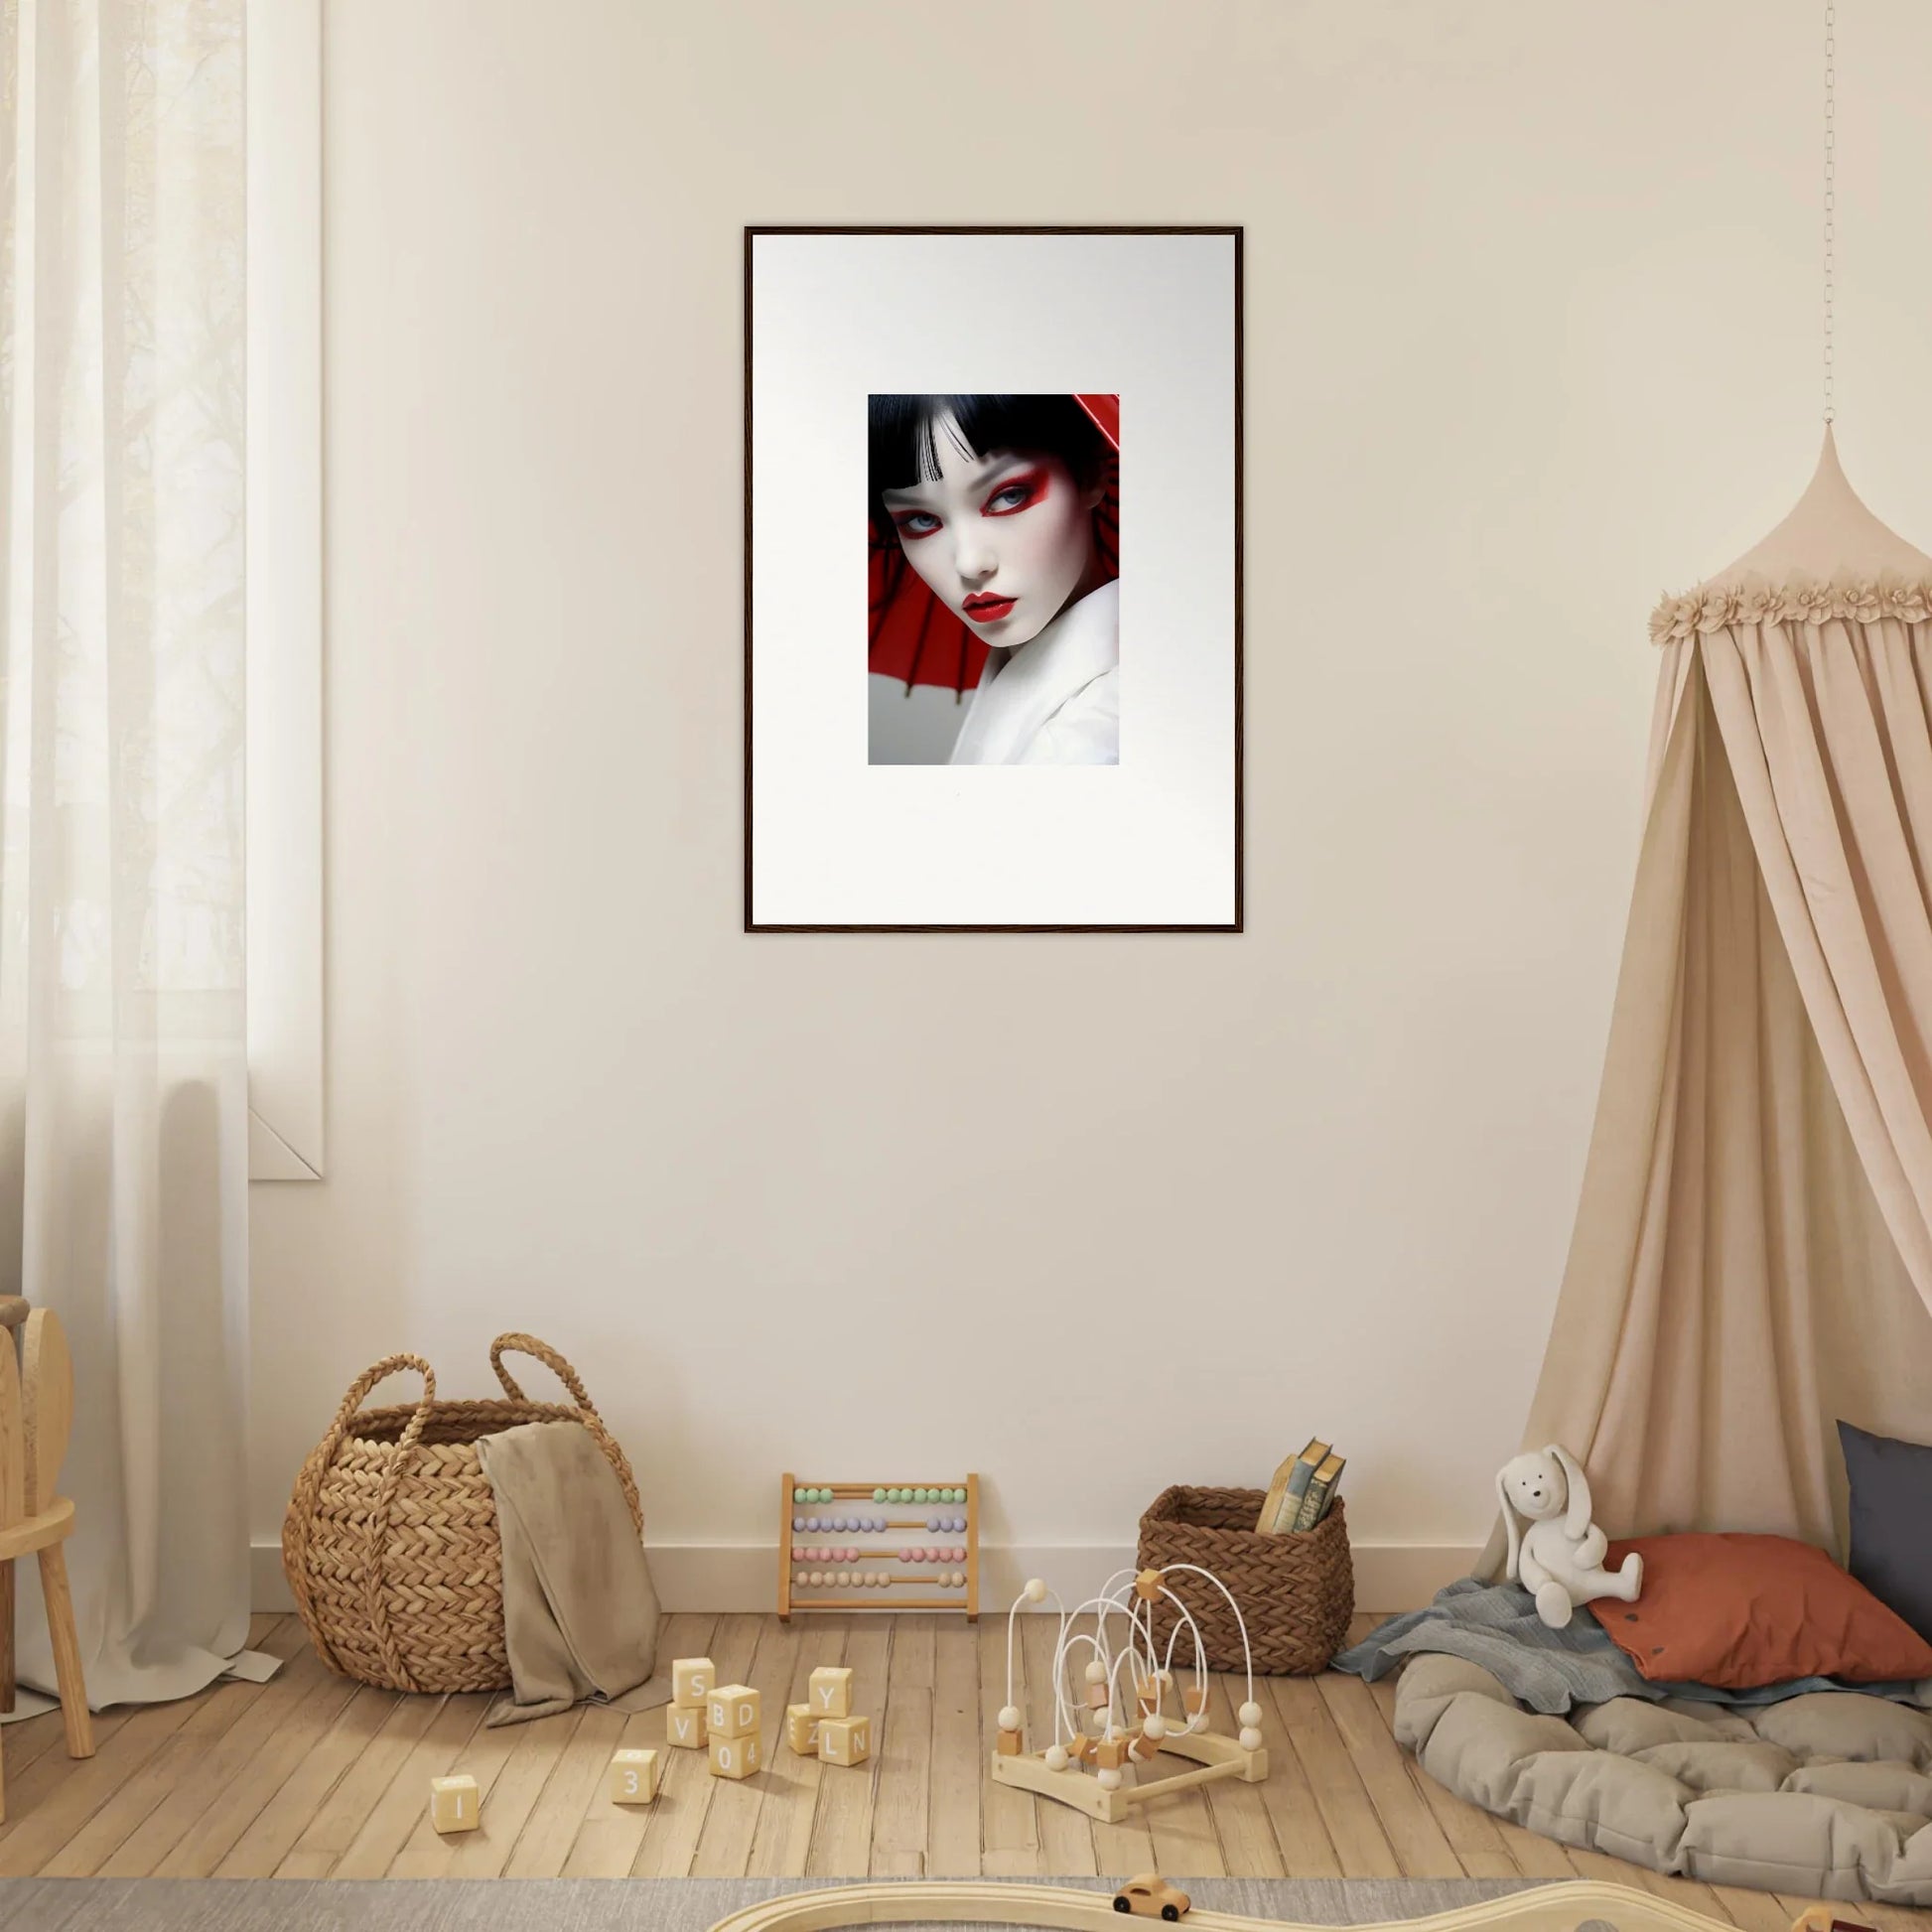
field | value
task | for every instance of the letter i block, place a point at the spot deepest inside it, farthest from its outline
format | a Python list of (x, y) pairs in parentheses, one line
[(845, 1741), (733, 1711), (831, 1691), (633, 1777), (454, 1804), (801, 1730), (735, 1758), (684, 1728), (693, 1678)]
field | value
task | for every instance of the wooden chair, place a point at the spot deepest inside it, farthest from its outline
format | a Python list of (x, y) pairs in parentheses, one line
[(35, 1420)]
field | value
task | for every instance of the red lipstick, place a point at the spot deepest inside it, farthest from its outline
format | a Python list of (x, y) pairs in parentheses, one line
[(983, 608)]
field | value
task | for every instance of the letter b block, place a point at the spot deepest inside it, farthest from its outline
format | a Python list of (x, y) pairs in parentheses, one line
[(454, 1805), (693, 1678), (845, 1741), (831, 1691), (735, 1758), (731, 1712), (684, 1728)]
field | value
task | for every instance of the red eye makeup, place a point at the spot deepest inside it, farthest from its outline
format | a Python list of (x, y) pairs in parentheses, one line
[(1017, 493)]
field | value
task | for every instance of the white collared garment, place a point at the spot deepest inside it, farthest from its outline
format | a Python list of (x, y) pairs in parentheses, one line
[(1055, 699)]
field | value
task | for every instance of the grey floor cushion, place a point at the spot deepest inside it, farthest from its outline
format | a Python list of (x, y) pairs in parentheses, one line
[(1828, 1794)]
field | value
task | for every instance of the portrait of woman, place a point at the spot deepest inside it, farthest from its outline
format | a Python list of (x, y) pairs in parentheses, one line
[(994, 578)]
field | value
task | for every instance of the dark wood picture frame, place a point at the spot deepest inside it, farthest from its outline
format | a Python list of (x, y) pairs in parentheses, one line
[(1236, 233)]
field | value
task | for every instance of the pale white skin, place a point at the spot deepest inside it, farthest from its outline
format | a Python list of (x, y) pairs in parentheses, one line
[(954, 533), (1561, 1558)]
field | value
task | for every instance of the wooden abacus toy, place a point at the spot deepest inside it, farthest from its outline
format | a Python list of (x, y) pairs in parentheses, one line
[(1139, 1673), (923, 1537)]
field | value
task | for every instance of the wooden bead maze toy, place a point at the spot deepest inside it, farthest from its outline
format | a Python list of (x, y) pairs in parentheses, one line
[(923, 1538), (1094, 1740)]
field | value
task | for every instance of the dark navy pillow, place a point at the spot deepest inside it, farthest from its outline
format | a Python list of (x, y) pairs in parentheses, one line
[(1892, 1522)]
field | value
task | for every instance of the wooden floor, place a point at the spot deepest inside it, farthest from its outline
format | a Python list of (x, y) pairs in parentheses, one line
[(310, 1776)]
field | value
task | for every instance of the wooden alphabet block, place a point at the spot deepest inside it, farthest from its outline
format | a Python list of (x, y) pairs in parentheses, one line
[(830, 1687), (633, 1777), (684, 1728), (735, 1758), (801, 1730), (1195, 1699), (1098, 1697), (693, 1678), (844, 1740), (1110, 1753), (1141, 1749), (454, 1804), (1008, 1744), (1079, 1749), (732, 1711)]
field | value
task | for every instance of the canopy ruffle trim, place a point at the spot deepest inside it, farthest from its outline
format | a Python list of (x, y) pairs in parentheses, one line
[(1855, 601)]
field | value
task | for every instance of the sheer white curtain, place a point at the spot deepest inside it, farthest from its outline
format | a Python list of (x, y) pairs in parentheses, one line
[(123, 1079)]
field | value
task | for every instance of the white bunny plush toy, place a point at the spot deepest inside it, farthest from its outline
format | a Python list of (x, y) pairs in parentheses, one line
[(1561, 1558)]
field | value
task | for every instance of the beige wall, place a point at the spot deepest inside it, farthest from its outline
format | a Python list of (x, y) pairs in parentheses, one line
[(1532, 335)]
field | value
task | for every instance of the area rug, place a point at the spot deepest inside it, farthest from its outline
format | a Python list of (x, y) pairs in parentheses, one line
[(609, 1905)]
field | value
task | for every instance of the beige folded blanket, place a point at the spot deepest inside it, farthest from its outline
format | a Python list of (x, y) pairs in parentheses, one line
[(580, 1614)]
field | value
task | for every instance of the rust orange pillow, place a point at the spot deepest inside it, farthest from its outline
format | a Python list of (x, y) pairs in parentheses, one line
[(1742, 1611)]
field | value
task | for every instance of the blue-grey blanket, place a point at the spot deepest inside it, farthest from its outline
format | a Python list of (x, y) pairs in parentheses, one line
[(1497, 1625)]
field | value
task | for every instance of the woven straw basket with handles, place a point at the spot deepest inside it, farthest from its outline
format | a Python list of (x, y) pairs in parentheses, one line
[(1297, 1590), (390, 1543)]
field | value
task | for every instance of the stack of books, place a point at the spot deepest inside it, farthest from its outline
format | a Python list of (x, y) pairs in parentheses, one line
[(1303, 1490)]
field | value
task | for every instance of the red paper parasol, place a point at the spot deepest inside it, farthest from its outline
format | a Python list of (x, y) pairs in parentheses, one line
[(914, 637)]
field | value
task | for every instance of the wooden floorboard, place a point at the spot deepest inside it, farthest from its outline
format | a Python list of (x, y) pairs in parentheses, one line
[(311, 1776)]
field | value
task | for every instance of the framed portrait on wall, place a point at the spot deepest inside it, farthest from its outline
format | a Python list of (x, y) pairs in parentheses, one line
[(993, 580)]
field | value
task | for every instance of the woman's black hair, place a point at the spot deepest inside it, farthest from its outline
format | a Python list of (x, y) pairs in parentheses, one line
[(902, 431), (902, 453)]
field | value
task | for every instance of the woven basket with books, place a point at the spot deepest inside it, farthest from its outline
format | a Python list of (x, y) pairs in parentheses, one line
[(1296, 1590)]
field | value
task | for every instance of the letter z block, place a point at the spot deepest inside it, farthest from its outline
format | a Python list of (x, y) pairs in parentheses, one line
[(801, 1730), (830, 1687), (845, 1741), (684, 1728), (731, 1711), (454, 1804)]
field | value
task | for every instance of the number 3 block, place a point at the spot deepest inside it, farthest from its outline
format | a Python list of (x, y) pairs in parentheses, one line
[(454, 1804), (633, 1777)]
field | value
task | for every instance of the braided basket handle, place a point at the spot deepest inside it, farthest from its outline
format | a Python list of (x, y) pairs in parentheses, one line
[(307, 1486), (522, 1345)]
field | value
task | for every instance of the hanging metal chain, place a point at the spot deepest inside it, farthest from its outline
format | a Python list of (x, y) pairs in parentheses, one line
[(1830, 189)]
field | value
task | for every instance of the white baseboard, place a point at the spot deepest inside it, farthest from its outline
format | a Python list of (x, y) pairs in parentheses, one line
[(725, 1576)]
